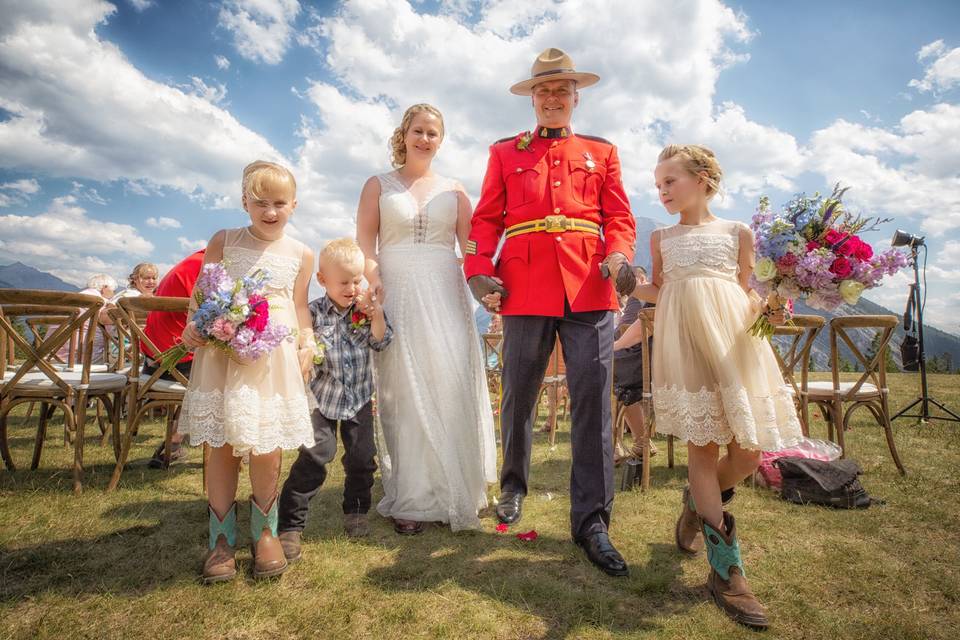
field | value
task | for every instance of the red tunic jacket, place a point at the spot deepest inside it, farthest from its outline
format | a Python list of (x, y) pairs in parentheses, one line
[(577, 176)]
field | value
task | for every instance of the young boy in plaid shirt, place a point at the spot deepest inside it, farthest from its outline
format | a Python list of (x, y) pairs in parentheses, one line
[(347, 325)]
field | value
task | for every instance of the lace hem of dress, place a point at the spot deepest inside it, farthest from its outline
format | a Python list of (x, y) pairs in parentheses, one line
[(767, 423), (244, 420), (717, 251)]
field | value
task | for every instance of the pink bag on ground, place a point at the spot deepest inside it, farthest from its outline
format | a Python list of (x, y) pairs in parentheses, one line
[(768, 475)]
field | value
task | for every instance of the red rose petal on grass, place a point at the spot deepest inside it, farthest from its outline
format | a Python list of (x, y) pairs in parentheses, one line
[(529, 536), (502, 528)]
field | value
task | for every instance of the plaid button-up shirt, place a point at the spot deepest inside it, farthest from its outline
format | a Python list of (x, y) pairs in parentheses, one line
[(343, 382)]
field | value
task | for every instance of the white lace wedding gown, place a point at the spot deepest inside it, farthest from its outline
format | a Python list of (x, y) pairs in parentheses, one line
[(434, 409)]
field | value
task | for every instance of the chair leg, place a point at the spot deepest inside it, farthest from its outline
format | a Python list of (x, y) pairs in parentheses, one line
[(104, 409), (41, 436), (836, 423), (670, 452), (888, 430), (80, 417), (29, 411), (124, 451), (4, 445)]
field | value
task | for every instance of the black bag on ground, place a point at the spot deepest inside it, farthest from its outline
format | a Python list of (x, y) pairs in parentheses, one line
[(834, 483)]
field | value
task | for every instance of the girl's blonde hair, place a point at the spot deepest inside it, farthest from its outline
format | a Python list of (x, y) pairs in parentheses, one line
[(138, 273), (261, 175), (696, 158), (344, 252), (398, 148)]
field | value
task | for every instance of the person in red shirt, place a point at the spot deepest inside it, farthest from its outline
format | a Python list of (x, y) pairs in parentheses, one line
[(164, 329), (557, 200)]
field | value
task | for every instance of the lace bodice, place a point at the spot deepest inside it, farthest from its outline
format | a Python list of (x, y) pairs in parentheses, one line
[(243, 254), (711, 250), (404, 220)]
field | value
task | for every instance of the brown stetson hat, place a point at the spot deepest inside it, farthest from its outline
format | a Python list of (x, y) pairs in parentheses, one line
[(553, 64)]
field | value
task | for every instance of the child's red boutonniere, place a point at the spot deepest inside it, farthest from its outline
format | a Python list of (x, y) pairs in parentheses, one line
[(358, 319), (502, 528), (523, 142)]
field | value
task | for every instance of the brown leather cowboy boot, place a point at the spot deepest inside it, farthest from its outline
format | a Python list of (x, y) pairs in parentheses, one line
[(687, 532), (220, 565), (268, 557), (727, 582)]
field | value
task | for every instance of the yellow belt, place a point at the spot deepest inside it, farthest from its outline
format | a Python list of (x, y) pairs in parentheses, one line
[(553, 224)]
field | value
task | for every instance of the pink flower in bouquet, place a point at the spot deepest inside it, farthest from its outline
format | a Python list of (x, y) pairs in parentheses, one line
[(813, 245), (260, 313), (787, 263), (862, 250), (841, 267), (223, 329), (833, 236)]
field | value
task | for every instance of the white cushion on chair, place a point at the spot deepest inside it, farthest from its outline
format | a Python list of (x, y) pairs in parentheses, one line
[(99, 382), (824, 389), (164, 386)]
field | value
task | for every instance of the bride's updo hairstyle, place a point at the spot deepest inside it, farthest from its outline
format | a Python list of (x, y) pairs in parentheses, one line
[(398, 147), (696, 159)]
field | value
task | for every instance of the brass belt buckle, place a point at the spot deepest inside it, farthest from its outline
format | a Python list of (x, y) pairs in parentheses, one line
[(556, 224)]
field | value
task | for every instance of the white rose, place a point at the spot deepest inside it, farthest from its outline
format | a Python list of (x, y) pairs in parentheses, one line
[(850, 291), (765, 270)]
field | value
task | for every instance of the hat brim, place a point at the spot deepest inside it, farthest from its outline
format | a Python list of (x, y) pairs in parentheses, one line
[(582, 78)]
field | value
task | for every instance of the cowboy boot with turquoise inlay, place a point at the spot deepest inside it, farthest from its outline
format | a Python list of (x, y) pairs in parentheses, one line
[(727, 582), (686, 532), (268, 558), (220, 564)]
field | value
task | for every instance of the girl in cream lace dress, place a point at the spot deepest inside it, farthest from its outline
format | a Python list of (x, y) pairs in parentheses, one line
[(713, 383), (253, 409)]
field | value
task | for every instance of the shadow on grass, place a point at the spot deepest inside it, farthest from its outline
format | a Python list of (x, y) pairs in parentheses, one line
[(132, 560), (548, 578)]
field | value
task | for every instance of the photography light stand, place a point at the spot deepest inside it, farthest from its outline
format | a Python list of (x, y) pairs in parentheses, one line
[(900, 239)]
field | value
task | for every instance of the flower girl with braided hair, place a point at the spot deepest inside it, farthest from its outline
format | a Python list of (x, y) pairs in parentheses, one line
[(714, 384)]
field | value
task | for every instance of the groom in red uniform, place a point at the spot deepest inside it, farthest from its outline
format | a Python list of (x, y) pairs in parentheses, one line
[(557, 200)]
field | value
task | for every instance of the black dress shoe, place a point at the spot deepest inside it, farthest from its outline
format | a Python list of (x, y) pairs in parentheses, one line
[(510, 507), (601, 553)]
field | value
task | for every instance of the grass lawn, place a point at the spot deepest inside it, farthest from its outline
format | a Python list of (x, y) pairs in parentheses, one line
[(126, 564)]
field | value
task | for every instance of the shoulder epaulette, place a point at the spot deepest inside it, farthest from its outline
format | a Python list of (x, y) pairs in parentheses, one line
[(594, 138), (505, 139)]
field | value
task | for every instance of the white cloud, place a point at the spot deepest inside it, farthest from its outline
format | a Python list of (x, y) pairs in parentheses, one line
[(60, 82), (90, 194), (191, 245), (262, 29), (17, 192), (912, 169), (223, 63), (212, 94), (141, 5), (67, 242), (163, 223), (942, 72)]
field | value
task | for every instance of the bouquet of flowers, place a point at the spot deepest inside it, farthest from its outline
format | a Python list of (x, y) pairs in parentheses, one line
[(811, 250), (233, 315)]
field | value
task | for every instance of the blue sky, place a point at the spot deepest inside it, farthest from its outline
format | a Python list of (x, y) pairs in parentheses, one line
[(124, 124)]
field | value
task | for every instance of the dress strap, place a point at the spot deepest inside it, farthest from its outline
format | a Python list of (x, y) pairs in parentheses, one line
[(389, 183)]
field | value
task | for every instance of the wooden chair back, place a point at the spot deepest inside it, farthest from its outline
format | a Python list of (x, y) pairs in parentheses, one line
[(874, 370), (42, 320), (81, 312)]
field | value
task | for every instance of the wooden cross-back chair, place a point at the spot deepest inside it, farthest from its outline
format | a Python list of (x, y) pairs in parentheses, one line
[(37, 380), (798, 335), (869, 390), (146, 392)]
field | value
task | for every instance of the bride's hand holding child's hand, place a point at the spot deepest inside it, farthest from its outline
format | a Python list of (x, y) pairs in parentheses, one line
[(370, 303), (191, 337)]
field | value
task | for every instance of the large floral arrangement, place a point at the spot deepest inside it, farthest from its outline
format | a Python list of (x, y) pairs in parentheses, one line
[(233, 315), (811, 249)]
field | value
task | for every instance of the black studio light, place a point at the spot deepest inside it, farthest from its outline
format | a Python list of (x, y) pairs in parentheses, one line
[(911, 349)]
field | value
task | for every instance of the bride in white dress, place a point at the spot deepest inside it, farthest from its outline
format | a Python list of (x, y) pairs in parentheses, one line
[(432, 397)]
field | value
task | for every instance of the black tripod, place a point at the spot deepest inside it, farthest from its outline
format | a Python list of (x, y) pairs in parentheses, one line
[(916, 302)]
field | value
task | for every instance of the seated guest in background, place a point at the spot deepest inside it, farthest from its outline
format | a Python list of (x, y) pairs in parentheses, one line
[(142, 281), (628, 371), (103, 286), (164, 330)]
